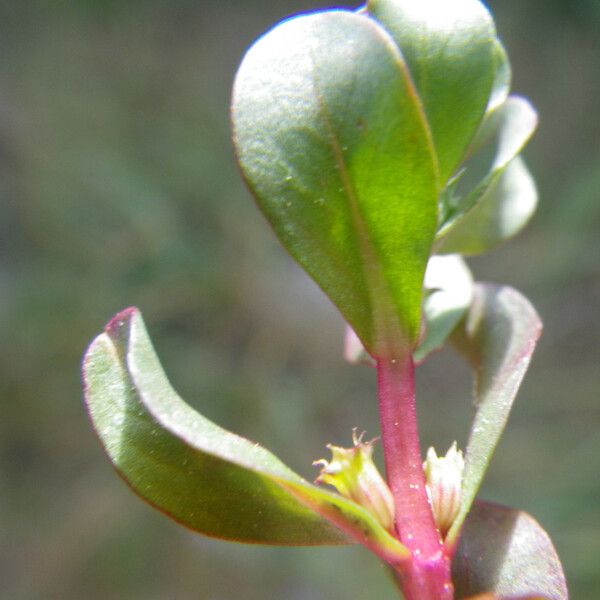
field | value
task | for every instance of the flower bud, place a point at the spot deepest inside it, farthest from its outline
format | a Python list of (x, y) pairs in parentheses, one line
[(443, 476), (352, 472)]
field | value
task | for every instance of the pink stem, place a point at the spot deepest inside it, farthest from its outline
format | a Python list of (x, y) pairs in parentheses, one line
[(427, 575)]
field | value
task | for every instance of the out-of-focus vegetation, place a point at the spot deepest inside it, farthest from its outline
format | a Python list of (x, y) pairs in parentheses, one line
[(118, 187)]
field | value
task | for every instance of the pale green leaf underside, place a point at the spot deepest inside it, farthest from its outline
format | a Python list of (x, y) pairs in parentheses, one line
[(511, 123), (504, 201), (449, 284), (332, 139), (501, 211), (204, 477), (452, 52), (505, 552), (498, 338)]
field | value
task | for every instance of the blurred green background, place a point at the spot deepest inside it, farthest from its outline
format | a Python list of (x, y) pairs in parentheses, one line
[(118, 187)]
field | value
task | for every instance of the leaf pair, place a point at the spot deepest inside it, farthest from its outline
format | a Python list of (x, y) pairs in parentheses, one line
[(348, 128), (222, 485)]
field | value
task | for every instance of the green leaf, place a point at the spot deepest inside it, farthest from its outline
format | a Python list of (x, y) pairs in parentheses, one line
[(452, 53), (498, 338), (506, 198), (450, 289), (505, 552), (205, 477), (333, 142)]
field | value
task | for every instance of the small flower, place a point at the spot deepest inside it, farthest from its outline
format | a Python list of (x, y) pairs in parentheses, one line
[(352, 472), (444, 482)]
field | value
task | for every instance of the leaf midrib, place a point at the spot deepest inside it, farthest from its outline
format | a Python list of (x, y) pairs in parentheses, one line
[(376, 286)]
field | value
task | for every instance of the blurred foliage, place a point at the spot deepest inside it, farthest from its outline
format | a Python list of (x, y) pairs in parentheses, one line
[(118, 186)]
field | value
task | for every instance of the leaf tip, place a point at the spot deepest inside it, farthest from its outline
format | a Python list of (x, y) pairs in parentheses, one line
[(122, 319), (117, 331)]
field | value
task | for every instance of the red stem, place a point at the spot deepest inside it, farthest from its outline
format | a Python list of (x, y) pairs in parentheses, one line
[(427, 575)]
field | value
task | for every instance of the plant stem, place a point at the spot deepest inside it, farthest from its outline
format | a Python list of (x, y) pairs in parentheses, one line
[(403, 462), (427, 574)]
